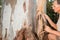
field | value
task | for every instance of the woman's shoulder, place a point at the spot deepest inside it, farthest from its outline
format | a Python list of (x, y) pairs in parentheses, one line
[(58, 24)]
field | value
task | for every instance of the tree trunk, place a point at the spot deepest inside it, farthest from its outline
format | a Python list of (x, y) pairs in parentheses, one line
[(15, 13), (41, 9)]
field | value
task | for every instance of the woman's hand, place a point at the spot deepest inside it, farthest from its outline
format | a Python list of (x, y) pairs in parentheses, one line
[(50, 21), (48, 29)]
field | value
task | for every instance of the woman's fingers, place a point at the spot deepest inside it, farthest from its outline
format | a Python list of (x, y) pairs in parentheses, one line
[(48, 29)]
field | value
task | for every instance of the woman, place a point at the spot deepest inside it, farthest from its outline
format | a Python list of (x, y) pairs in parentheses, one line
[(56, 8)]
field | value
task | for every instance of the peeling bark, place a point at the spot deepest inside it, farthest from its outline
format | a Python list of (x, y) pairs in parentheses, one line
[(26, 34), (20, 15), (12, 3), (40, 22)]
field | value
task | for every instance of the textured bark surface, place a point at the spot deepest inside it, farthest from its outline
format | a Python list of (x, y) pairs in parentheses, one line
[(26, 34), (17, 14), (14, 16), (41, 4)]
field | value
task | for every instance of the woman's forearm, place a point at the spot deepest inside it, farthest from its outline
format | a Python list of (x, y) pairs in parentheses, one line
[(51, 22), (49, 30), (55, 32)]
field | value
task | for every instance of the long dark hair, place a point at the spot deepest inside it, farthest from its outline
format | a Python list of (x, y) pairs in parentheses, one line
[(58, 1)]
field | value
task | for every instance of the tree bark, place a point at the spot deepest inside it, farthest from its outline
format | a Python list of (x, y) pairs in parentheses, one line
[(41, 9), (14, 17)]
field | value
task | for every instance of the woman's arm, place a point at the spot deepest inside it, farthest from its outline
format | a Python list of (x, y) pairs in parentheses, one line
[(56, 32), (48, 29), (51, 22)]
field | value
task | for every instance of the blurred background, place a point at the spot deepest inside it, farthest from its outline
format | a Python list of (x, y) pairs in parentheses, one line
[(0, 20)]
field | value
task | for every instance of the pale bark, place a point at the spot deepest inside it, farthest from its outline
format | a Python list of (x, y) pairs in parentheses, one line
[(14, 17), (41, 9)]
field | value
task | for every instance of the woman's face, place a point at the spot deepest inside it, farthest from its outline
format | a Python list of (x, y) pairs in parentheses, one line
[(56, 7)]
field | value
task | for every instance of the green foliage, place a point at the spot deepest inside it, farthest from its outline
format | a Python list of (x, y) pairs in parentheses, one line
[(50, 12), (0, 2)]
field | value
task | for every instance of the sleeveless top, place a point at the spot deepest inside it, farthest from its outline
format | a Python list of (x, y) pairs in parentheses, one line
[(58, 24)]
